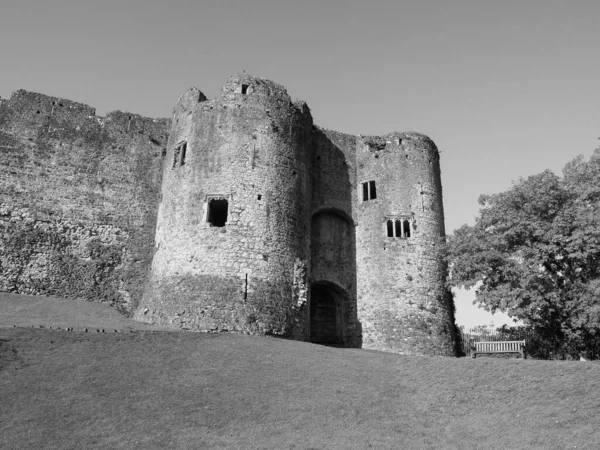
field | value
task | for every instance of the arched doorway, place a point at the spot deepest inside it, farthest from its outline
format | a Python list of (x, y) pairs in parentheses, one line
[(326, 305)]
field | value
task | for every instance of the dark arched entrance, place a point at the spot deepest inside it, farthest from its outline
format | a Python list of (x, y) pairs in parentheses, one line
[(325, 315)]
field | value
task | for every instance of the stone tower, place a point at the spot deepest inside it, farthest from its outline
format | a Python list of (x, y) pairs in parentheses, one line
[(268, 224), (403, 304), (232, 237)]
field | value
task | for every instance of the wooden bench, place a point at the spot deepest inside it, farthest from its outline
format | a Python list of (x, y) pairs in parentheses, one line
[(499, 347)]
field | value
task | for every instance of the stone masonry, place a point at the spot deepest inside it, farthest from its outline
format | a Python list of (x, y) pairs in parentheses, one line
[(247, 218), (78, 199)]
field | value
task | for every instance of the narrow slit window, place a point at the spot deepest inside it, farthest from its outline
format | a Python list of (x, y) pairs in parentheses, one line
[(390, 228), (176, 156), (406, 229), (183, 151), (397, 226), (179, 154), (217, 212)]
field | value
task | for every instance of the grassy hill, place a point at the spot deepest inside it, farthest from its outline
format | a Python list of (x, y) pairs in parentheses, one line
[(149, 389)]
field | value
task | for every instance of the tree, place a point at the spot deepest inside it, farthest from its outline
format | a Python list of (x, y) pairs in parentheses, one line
[(534, 252)]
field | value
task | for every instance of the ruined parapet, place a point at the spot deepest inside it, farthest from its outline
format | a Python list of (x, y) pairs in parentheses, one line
[(402, 301), (232, 237)]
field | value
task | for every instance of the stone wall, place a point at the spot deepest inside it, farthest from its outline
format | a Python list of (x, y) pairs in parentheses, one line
[(78, 197)]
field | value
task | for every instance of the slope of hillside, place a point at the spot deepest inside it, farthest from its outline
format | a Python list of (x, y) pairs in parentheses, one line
[(142, 389)]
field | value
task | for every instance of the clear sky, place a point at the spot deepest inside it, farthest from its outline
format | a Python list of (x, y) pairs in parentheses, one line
[(505, 88)]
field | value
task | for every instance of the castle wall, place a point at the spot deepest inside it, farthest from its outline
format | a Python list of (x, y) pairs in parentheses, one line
[(237, 214), (251, 148), (78, 196), (402, 302)]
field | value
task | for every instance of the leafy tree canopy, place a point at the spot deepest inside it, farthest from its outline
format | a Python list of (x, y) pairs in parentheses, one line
[(534, 251)]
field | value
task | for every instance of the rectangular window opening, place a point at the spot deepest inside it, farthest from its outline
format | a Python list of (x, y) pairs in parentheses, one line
[(406, 229), (390, 228), (183, 151), (373, 191), (217, 212), (397, 226), (244, 89), (369, 191)]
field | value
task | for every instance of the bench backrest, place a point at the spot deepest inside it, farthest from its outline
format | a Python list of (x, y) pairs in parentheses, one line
[(500, 346)]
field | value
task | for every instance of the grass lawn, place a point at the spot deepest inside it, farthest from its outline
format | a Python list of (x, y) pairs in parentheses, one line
[(144, 389)]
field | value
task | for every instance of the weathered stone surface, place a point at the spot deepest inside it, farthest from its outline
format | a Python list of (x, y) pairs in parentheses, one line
[(253, 151), (78, 199), (403, 304), (255, 220)]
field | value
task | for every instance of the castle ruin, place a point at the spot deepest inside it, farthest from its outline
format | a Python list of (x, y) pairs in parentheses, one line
[(238, 214)]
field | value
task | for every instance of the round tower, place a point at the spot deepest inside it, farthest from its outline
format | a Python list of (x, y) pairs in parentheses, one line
[(232, 238), (402, 302)]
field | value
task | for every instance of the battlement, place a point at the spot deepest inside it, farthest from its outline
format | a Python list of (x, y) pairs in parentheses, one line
[(396, 139), (45, 105), (134, 123)]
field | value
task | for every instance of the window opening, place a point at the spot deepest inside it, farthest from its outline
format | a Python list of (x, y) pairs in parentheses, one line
[(179, 154), (217, 212), (373, 191), (176, 156), (400, 227), (244, 89), (369, 191), (183, 150), (246, 288), (406, 229)]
